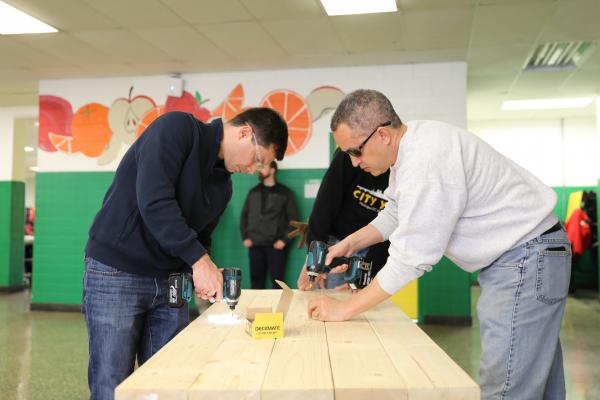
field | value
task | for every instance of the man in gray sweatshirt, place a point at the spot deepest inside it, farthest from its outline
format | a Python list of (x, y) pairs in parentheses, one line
[(452, 194)]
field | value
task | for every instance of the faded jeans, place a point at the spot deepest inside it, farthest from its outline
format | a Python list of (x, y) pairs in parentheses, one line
[(523, 296), (127, 316)]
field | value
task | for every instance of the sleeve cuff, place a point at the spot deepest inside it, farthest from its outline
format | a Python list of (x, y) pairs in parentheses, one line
[(391, 280)]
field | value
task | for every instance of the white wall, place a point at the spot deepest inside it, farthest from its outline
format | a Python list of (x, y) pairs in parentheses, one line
[(561, 152), (12, 157), (418, 91), (30, 191)]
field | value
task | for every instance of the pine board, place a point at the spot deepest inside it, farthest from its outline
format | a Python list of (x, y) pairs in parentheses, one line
[(379, 354)]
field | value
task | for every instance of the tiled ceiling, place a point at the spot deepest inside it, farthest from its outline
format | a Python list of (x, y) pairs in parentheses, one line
[(133, 37)]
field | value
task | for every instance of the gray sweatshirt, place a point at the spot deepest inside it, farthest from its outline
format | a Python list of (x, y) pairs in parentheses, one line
[(452, 194)]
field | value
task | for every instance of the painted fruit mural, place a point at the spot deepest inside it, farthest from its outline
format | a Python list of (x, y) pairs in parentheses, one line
[(55, 114), (148, 118), (232, 105), (190, 104), (90, 129), (124, 116), (100, 132), (294, 110)]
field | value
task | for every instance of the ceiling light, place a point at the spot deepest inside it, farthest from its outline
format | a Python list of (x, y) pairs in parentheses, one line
[(547, 104), (34, 168), (28, 149), (13, 21), (346, 7)]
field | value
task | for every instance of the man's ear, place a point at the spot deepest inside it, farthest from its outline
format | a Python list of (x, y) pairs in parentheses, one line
[(244, 131), (385, 135)]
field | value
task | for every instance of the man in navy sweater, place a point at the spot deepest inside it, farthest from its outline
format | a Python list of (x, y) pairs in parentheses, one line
[(157, 217)]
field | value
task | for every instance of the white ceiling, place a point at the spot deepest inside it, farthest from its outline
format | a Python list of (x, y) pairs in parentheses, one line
[(137, 37)]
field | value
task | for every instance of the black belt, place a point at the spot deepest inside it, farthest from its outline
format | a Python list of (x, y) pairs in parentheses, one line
[(556, 227)]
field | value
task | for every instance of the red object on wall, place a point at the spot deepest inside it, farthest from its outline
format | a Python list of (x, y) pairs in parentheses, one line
[(188, 103), (579, 231), (55, 115)]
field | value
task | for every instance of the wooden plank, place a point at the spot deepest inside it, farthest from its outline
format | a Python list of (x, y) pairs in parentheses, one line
[(237, 367), (428, 370), (299, 368), (172, 370), (360, 366)]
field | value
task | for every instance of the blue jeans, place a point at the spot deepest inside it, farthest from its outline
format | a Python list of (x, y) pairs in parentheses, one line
[(127, 316), (523, 296)]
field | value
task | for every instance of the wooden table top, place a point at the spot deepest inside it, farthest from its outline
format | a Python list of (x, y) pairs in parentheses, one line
[(380, 354)]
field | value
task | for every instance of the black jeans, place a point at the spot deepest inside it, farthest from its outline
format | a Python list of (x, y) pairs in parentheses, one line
[(263, 259)]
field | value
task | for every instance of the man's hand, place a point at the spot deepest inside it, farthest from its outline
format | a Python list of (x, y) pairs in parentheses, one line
[(303, 281), (208, 279), (340, 249), (279, 245), (247, 243), (325, 308)]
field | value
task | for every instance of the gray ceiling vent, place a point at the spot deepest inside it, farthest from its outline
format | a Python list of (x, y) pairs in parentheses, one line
[(559, 55)]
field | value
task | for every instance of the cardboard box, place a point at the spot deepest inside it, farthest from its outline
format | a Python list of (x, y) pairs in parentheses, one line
[(266, 323)]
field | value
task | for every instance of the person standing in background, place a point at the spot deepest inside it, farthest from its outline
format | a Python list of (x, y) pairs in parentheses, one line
[(264, 224)]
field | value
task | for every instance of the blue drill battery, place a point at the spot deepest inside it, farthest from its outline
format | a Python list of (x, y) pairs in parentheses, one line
[(181, 289)]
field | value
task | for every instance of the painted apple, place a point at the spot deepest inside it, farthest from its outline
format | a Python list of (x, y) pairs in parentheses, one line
[(125, 114), (55, 114), (189, 103)]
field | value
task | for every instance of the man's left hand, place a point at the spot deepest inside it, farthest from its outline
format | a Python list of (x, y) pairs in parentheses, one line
[(325, 308), (279, 245)]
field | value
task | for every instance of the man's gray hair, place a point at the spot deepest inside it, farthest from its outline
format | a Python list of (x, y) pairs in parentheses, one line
[(363, 111)]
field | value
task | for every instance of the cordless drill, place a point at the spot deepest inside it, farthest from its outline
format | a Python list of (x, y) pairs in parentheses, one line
[(181, 287), (358, 274)]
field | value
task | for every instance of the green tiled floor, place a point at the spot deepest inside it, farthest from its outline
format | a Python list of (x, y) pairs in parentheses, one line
[(43, 355)]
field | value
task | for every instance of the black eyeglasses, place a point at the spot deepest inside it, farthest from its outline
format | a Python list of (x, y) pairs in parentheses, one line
[(357, 151)]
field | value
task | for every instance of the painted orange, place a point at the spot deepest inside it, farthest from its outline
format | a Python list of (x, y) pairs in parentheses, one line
[(294, 110), (232, 105), (63, 143), (90, 129), (148, 118)]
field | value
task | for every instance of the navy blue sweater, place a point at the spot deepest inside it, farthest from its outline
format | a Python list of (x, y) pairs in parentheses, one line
[(165, 199)]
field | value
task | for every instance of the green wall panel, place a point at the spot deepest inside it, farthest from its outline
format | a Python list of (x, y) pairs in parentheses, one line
[(444, 294), (66, 203), (12, 230)]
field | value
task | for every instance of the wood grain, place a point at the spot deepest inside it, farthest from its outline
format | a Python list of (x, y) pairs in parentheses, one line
[(380, 354)]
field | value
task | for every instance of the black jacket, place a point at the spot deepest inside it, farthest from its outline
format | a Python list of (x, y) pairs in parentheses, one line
[(348, 199), (165, 199), (267, 213)]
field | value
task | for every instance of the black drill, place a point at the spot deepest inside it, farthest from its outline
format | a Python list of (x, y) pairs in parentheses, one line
[(181, 287), (358, 274)]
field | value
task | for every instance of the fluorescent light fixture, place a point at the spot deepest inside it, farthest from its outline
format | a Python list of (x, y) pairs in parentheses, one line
[(13, 22), (547, 104), (28, 149), (346, 7), (34, 168)]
